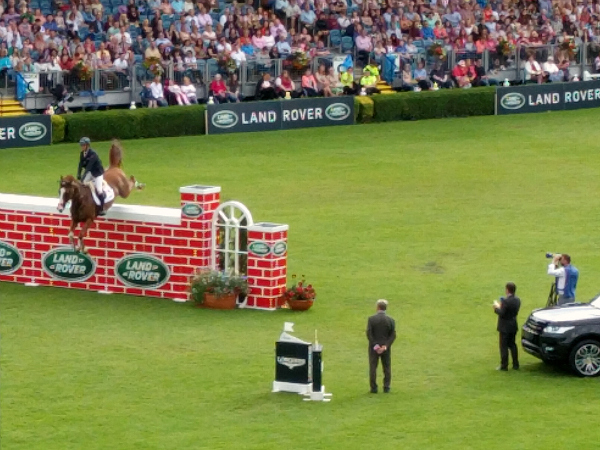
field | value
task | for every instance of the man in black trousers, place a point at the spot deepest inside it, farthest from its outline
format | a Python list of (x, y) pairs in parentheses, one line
[(381, 332), (507, 310)]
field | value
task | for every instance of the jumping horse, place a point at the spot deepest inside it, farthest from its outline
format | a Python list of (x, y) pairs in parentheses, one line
[(83, 207)]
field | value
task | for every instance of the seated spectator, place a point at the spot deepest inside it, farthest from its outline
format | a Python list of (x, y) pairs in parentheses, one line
[(175, 91), (364, 46), (420, 76), (481, 76), (439, 76), (284, 84), (265, 90), (147, 97), (460, 73), (551, 71), (219, 89), (188, 89), (533, 70), (157, 91), (310, 87), (233, 89), (368, 82), (334, 83), (347, 81), (283, 48), (323, 81)]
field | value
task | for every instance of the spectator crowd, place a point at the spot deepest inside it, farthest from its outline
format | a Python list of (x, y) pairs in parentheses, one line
[(82, 36)]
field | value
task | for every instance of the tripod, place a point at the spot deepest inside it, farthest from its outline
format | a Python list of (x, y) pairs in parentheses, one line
[(552, 296)]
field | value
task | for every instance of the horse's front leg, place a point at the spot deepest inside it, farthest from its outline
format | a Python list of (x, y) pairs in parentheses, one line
[(83, 233), (72, 234)]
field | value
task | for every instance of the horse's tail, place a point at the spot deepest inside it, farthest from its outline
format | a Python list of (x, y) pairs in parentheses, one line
[(115, 154)]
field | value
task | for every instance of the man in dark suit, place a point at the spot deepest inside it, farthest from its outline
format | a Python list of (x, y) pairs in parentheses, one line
[(93, 171), (381, 333), (507, 310)]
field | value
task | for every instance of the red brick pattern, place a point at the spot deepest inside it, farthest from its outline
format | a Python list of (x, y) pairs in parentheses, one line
[(267, 274), (183, 248)]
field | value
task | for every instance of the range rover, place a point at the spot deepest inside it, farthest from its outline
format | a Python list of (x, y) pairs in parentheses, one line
[(566, 334)]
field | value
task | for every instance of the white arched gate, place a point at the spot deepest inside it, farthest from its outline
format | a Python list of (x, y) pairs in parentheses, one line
[(229, 246)]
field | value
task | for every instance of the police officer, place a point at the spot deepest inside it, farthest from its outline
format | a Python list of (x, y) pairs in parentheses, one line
[(566, 278), (92, 168)]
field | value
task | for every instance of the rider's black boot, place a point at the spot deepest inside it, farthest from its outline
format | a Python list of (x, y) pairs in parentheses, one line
[(101, 197)]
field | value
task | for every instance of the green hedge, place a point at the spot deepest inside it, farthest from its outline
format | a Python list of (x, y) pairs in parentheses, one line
[(434, 104), (189, 120), (58, 129), (135, 124)]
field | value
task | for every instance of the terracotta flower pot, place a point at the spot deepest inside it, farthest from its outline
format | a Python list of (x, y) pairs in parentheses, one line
[(300, 305), (224, 302)]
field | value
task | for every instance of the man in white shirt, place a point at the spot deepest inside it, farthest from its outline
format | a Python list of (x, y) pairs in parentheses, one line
[(566, 278), (124, 38), (238, 55), (121, 65), (157, 92), (552, 71)]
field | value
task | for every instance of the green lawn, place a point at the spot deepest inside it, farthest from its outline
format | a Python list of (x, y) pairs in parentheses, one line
[(435, 216)]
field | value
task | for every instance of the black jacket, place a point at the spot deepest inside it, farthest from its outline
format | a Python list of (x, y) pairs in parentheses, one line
[(89, 163), (507, 314), (381, 329)]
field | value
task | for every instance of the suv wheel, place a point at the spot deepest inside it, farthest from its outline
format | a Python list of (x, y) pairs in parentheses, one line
[(585, 358)]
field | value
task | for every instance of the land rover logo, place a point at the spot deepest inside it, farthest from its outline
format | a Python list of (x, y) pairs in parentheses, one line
[(514, 100), (64, 263), (224, 119), (32, 131), (10, 258), (337, 111), (143, 271), (279, 248), (191, 210), (259, 248), (290, 363)]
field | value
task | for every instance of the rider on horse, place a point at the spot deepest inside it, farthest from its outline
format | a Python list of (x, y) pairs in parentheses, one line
[(93, 171)]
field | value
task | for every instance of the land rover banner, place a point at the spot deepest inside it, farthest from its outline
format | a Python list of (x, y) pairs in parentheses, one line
[(279, 114), (547, 97), (25, 131)]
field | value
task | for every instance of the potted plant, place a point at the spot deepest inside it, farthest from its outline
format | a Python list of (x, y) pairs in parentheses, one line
[(300, 296), (218, 290)]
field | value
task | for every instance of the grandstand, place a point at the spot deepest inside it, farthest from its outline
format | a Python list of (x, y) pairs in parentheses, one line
[(104, 50)]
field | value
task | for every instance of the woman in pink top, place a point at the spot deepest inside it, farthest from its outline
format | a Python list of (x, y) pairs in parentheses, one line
[(258, 41), (309, 84)]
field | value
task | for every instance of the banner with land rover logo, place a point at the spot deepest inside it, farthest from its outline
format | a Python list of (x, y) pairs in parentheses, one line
[(531, 98), (25, 131), (142, 270), (279, 114)]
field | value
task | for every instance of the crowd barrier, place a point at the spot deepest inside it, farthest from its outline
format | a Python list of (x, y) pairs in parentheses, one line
[(142, 250)]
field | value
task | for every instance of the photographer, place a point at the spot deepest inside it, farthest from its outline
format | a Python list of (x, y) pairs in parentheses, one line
[(566, 278)]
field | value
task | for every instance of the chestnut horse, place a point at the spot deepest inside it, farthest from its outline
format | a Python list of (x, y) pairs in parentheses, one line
[(83, 208)]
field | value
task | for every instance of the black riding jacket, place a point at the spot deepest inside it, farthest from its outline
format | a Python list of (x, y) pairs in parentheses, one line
[(89, 162)]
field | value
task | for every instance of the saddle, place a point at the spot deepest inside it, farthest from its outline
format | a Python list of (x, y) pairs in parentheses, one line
[(109, 193)]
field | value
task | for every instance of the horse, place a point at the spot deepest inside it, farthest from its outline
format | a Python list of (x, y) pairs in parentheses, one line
[(83, 207)]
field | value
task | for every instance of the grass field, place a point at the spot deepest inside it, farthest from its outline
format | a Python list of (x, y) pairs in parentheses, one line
[(435, 216)]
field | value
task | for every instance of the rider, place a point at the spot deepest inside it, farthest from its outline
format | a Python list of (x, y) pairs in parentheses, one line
[(93, 171)]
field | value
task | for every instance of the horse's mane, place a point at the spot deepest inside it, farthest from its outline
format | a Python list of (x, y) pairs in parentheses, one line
[(115, 154)]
